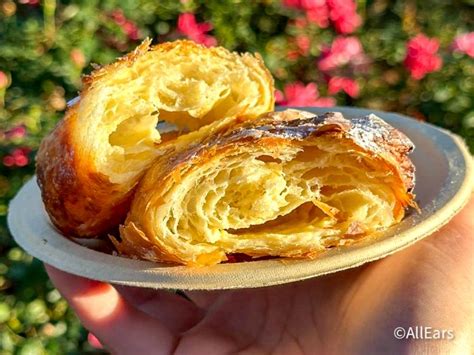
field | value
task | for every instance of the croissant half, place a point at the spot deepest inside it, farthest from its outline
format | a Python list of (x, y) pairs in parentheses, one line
[(88, 166), (289, 184)]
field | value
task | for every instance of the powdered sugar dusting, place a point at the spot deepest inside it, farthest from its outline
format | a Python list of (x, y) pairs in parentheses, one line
[(369, 132)]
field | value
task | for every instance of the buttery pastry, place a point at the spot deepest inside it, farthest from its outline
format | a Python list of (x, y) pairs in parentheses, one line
[(88, 166), (290, 184)]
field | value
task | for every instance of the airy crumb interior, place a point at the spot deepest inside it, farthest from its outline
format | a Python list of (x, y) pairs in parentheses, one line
[(187, 89)]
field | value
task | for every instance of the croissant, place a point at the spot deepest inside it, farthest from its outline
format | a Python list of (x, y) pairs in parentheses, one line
[(89, 165), (288, 184)]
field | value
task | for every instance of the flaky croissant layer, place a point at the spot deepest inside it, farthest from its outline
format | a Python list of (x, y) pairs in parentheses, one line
[(288, 184), (89, 165)]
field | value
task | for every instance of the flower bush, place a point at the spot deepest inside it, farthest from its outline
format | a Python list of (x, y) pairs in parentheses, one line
[(414, 57)]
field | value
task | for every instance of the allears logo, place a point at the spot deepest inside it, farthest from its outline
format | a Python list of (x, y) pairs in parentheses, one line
[(423, 332)]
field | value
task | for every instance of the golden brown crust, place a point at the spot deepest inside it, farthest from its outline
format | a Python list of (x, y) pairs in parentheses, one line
[(126, 60), (79, 201)]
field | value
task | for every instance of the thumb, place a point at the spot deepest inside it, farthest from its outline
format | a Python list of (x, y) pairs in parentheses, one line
[(120, 327)]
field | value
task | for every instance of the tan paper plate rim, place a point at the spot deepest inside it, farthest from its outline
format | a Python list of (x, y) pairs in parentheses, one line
[(32, 230)]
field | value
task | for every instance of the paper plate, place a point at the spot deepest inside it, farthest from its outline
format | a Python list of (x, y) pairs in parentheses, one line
[(444, 183)]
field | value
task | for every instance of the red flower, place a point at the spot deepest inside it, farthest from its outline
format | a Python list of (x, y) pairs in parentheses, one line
[(279, 97), (8, 161), (316, 10), (292, 3), (325, 102), (343, 13), (93, 341), (297, 94), (465, 43), (300, 22), (349, 86), (16, 132), (319, 15), (312, 4), (29, 2), (77, 57), (304, 44), (292, 55), (422, 57), (4, 81), (17, 158), (128, 26), (343, 50), (304, 4), (188, 26), (131, 30)]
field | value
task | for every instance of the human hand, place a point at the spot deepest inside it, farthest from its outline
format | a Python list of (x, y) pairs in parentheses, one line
[(429, 284)]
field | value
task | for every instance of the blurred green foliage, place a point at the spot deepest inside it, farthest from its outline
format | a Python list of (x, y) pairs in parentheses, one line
[(46, 46)]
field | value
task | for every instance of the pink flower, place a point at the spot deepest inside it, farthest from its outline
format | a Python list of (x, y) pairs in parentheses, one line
[(188, 26), (93, 341), (298, 94), (349, 86), (16, 132), (343, 13), (319, 15), (465, 43), (422, 57), (343, 50), (312, 4)]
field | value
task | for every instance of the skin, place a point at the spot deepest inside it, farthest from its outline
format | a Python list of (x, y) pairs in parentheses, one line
[(429, 284)]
